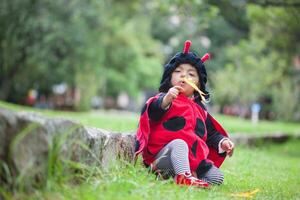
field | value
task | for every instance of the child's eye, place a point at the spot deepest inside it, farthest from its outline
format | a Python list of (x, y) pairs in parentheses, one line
[(192, 75), (177, 71)]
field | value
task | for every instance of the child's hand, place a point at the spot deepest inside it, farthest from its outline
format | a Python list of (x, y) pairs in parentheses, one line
[(171, 95), (228, 146)]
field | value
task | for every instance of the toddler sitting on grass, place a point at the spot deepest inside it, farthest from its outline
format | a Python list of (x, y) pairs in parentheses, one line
[(176, 135)]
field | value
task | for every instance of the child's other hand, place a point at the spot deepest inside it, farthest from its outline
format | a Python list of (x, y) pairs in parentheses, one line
[(171, 95), (228, 146)]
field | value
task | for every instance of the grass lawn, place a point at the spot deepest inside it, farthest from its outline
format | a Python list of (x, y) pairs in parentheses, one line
[(271, 170)]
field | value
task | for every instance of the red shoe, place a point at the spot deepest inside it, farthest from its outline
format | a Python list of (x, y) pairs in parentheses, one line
[(188, 179)]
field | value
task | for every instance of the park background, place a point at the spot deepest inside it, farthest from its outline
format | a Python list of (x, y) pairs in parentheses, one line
[(97, 61)]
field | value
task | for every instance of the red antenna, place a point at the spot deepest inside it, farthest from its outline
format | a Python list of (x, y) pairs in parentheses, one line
[(187, 45), (205, 57)]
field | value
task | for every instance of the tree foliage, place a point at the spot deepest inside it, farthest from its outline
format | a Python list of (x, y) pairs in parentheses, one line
[(97, 47), (105, 47), (46, 42), (262, 66)]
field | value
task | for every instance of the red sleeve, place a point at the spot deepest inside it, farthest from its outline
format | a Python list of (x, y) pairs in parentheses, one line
[(143, 130)]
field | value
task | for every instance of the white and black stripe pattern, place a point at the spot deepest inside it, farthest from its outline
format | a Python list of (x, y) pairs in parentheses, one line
[(173, 159), (213, 176)]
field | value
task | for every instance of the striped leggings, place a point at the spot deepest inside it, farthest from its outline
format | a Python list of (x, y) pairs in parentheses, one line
[(173, 160)]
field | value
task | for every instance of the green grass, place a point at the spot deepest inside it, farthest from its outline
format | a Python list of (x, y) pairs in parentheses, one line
[(110, 120), (272, 169), (239, 125), (125, 121)]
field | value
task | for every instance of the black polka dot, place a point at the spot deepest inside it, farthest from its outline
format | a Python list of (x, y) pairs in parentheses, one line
[(174, 124), (202, 168), (143, 109), (200, 128), (194, 148)]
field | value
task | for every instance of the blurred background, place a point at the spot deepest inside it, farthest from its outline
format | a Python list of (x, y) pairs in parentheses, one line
[(109, 54)]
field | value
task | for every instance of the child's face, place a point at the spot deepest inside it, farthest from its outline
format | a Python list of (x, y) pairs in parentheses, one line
[(185, 71)]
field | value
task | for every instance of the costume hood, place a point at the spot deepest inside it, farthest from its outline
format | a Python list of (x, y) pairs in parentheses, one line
[(182, 58)]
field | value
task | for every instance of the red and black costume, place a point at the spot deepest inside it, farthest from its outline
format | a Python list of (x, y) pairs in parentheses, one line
[(185, 119)]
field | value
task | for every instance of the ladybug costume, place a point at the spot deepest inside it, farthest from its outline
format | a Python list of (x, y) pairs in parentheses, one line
[(185, 119)]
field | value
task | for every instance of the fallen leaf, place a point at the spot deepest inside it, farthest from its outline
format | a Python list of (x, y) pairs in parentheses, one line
[(245, 194)]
